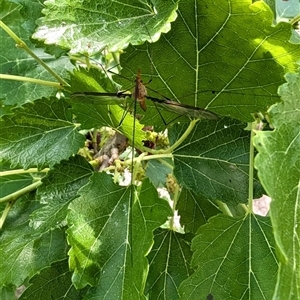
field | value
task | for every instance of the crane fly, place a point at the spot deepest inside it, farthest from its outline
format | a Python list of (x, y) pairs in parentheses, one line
[(140, 95)]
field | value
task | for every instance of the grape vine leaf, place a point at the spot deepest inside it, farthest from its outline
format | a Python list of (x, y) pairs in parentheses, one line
[(39, 134), (27, 250), (194, 210), (231, 255), (278, 164), (44, 287), (86, 27), (169, 262), (15, 61), (214, 160), (226, 57), (59, 188), (112, 261)]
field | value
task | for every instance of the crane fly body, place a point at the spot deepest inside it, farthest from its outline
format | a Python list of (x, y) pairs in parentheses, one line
[(140, 91), (140, 95)]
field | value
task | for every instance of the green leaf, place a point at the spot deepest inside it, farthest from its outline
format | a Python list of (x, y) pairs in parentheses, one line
[(108, 244), (169, 264), (39, 134), (158, 170), (29, 11), (91, 80), (86, 27), (7, 292), (15, 61), (194, 210), (226, 57), (278, 164), (231, 256), (59, 188), (214, 160), (25, 249), (44, 287)]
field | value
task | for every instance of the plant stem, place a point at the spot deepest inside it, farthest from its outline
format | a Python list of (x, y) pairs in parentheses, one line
[(31, 80), (183, 137), (22, 44), (175, 199), (136, 166), (14, 196), (176, 144), (5, 213), (148, 157), (21, 171), (251, 169)]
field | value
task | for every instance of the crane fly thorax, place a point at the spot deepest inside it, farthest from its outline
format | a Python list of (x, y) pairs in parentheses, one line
[(140, 92)]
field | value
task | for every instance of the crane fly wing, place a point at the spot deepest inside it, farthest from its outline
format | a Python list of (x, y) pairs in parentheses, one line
[(184, 109), (101, 98)]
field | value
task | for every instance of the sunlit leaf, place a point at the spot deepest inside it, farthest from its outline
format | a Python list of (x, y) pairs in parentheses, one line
[(87, 26), (217, 58), (278, 164), (108, 245)]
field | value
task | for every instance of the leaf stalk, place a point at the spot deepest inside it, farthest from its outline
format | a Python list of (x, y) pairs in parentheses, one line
[(22, 44), (251, 169), (31, 80)]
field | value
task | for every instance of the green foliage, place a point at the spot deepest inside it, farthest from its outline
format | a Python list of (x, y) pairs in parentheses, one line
[(69, 231)]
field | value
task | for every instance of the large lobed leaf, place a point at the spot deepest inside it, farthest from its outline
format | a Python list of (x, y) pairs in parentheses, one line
[(214, 160), (108, 244), (278, 164), (194, 210), (40, 134), (87, 26), (224, 56), (15, 61), (42, 286), (231, 255), (59, 188), (169, 264), (24, 250)]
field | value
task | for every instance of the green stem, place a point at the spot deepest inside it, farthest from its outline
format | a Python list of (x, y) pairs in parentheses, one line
[(31, 80), (183, 137), (175, 199), (5, 213), (148, 157), (14, 196), (136, 166), (21, 171), (251, 169), (23, 45), (176, 144), (295, 19)]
